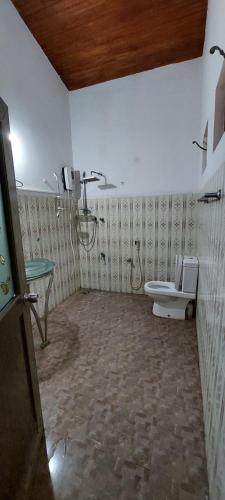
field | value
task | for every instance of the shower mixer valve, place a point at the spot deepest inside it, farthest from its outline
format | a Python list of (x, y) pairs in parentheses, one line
[(130, 261), (138, 244), (102, 256)]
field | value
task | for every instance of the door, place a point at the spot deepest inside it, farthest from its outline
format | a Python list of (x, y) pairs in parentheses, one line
[(21, 426)]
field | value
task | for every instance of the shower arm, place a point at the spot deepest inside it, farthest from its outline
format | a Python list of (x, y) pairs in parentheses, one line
[(99, 173)]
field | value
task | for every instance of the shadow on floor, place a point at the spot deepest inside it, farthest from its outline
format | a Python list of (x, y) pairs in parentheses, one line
[(63, 349)]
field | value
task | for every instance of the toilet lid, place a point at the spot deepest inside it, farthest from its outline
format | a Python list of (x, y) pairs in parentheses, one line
[(178, 271)]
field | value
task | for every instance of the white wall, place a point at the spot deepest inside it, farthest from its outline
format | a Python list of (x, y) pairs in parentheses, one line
[(212, 65), (38, 103), (139, 130)]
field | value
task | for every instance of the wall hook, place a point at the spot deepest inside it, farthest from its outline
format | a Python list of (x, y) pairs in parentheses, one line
[(199, 145), (216, 47)]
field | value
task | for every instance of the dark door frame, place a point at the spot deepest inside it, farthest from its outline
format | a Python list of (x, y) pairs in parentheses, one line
[(17, 304)]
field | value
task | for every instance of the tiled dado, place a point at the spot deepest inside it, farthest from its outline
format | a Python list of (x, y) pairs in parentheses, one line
[(211, 331), (165, 226), (45, 235)]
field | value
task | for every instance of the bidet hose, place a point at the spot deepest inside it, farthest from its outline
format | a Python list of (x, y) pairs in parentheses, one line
[(139, 284)]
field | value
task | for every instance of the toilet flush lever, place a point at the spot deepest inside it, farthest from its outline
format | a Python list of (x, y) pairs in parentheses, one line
[(30, 297)]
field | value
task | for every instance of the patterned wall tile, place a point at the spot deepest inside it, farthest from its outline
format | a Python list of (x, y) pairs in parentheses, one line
[(165, 226), (211, 330), (45, 235)]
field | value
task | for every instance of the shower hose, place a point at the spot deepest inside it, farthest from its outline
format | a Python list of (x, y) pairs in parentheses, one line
[(87, 244)]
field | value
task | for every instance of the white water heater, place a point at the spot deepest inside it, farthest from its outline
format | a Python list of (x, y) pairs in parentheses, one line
[(71, 181)]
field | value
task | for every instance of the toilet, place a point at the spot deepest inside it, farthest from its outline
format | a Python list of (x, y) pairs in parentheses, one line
[(171, 299)]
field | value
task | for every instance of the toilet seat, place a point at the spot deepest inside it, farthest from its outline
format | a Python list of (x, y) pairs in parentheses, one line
[(168, 287)]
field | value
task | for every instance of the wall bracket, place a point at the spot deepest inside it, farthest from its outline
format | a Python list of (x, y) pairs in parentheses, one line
[(211, 197)]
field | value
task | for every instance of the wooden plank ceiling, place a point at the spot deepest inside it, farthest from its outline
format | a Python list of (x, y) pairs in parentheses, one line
[(91, 41)]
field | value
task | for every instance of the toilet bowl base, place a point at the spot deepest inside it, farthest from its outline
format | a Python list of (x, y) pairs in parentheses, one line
[(174, 310)]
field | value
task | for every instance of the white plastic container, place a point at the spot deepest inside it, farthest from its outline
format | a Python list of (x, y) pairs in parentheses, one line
[(190, 274)]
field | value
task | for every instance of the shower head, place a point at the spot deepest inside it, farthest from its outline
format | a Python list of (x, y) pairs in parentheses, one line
[(106, 185)]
